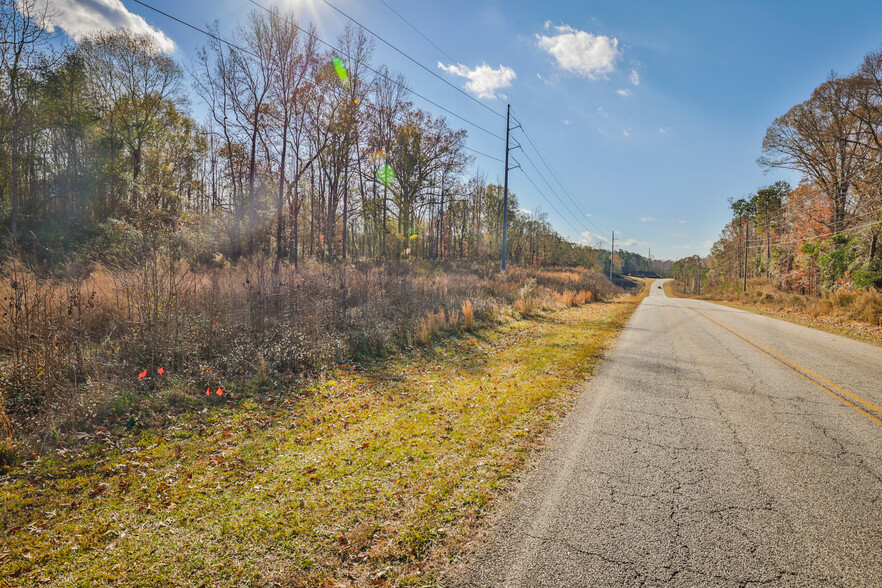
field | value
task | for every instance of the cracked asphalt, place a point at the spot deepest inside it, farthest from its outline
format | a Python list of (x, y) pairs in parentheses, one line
[(695, 458)]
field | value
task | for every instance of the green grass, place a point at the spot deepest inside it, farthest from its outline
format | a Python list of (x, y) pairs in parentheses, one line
[(374, 475)]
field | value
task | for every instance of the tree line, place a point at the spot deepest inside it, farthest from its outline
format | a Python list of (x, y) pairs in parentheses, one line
[(303, 153), (824, 233)]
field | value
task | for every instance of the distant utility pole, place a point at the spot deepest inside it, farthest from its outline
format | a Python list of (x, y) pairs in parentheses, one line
[(650, 260), (699, 276), (746, 240), (508, 130), (612, 254)]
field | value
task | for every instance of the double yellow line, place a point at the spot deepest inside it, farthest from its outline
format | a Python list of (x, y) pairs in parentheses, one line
[(824, 384)]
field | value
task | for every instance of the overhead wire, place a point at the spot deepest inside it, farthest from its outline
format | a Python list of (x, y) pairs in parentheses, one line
[(555, 176), (419, 32), (482, 153), (323, 42), (535, 148), (822, 236), (556, 195), (408, 57), (544, 197)]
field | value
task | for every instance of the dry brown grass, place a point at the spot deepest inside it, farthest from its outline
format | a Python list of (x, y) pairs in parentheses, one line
[(71, 350), (844, 310), (468, 315)]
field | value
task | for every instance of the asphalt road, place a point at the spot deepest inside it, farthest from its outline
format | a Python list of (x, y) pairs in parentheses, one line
[(714, 447)]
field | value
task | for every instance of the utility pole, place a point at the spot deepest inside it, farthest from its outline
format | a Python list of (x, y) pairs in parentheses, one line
[(746, 240), (508, 130), (612, 254), (505, 189), (650, 260), (699, 276)]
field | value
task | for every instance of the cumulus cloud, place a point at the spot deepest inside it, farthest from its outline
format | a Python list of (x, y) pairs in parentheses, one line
[(635, 77), (580, 52), (647, 218), (80, 18), (624, 92), (633, 243), (483, 81), (589, 238)]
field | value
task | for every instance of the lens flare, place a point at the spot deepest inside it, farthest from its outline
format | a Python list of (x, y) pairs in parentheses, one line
[(341, 70), (385, 174)]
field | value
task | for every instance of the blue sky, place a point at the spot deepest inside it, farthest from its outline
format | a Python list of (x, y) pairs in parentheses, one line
[(651, 113)]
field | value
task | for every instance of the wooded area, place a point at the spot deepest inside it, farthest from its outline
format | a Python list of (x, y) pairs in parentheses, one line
[(822, 235), (304, 154), (314, 217)]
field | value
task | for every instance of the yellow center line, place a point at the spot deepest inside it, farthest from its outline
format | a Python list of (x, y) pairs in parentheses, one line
[(815, 379)]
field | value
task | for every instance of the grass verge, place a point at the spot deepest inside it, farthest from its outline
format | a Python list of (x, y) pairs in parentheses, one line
[(376, 475)]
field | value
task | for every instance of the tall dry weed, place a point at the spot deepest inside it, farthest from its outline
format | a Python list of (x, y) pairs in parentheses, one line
[(468, 315)]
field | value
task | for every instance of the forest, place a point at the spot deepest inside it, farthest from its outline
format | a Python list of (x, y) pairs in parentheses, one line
[(819, 239), (308, 214)]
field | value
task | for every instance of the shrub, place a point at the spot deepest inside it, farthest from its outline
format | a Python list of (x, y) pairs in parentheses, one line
[(10, 456)]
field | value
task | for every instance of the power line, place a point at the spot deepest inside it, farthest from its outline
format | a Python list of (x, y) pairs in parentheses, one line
[(419, 32), (555, 176), (405, 55), (482, 153), (323, 42), (556, 195), (368, 67), (823, 236), (544, 197), (195, 28), (536, 149)]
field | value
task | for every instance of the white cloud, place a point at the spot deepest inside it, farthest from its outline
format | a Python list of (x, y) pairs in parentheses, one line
[(662, 131), (635, 77), (566, 122), (701, 245), (626, 132), (624, 92), (647, 219), (579, 52), (588, 214), (590, 238), (633, 243), (483, 81), (81, 18), (682, 222)]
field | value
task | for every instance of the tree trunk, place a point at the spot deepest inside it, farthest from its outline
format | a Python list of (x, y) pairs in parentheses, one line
[(280, 212)]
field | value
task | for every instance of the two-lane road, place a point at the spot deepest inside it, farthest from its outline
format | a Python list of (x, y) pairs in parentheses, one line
[(713, 447)]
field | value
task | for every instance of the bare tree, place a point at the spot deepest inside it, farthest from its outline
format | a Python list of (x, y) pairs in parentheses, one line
[(22, 37), (820, 138), (294, 57)]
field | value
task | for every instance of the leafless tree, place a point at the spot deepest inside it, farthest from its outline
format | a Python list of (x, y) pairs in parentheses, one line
[(821, 138)]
